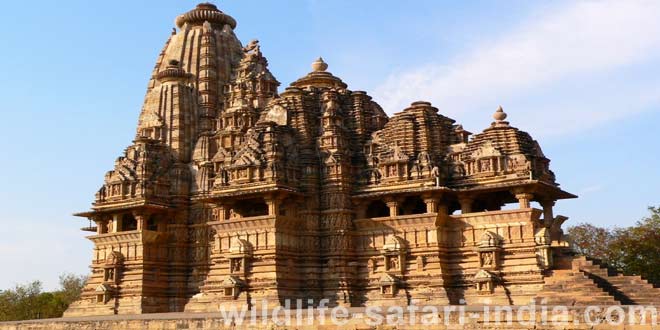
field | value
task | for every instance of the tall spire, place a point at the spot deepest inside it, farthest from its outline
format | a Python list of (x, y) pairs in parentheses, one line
[(184, 96)]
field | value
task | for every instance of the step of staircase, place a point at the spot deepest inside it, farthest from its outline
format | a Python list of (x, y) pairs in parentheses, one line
[(626, 289), (572, 287)]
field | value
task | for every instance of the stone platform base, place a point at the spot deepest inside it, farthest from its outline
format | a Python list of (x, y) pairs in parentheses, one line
[(474, 317)]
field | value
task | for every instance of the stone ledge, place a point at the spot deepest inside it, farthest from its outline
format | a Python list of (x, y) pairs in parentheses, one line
[(474, 319)]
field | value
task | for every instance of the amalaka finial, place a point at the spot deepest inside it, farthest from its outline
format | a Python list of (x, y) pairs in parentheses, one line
[(205, 12), (319, 65), (499, 115), (172, 71)]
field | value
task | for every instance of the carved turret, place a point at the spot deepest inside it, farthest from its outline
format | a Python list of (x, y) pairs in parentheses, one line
[(502, 151), (319, 78)]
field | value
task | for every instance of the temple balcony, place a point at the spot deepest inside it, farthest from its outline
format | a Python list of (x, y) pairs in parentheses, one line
[(130, 236), (244, 223), (463, 230), (402, 221), (512, 226), (266, 232), (133, 245)]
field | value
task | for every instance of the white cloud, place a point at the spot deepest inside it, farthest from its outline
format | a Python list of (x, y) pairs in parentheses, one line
[(591, 189), (575, 41)]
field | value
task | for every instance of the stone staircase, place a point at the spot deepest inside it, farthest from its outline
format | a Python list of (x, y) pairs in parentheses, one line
[(581, 281), (629, 290), (570, 287)]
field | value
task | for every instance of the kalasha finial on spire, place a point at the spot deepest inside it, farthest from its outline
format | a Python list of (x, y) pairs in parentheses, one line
[(319, 65), (499, 115)]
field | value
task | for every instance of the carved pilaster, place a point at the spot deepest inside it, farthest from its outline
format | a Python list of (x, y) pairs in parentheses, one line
[(466, 204)]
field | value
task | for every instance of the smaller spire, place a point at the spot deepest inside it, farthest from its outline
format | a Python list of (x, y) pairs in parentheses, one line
[(319, 65)]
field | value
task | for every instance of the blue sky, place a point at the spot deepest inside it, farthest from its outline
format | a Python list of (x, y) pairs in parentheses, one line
[(582, 77)]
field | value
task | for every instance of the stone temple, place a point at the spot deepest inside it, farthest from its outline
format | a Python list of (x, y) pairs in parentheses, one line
[(233, 193)]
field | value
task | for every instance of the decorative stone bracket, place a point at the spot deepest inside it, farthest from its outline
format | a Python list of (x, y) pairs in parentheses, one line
[(543, 248)]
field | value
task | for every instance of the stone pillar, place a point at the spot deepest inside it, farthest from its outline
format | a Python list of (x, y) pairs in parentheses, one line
[(524, 199), (222, 211), (141, 220), (273, 203), (393, 204), (431, 204), (101, 227), (117, 223), (548, 215), (466, 204)]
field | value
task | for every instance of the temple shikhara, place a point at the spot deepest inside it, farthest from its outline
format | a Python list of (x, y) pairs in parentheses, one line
[(234, 192)]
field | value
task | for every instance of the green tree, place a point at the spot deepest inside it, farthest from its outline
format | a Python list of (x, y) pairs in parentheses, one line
[(634, 250), (20, 303), (590, 240), (71, 287), (26, 302)]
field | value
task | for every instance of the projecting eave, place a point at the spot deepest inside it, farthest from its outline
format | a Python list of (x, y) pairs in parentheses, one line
[(85, 214), (104, 209), (248, 191), (392, 191), (537, 187)]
